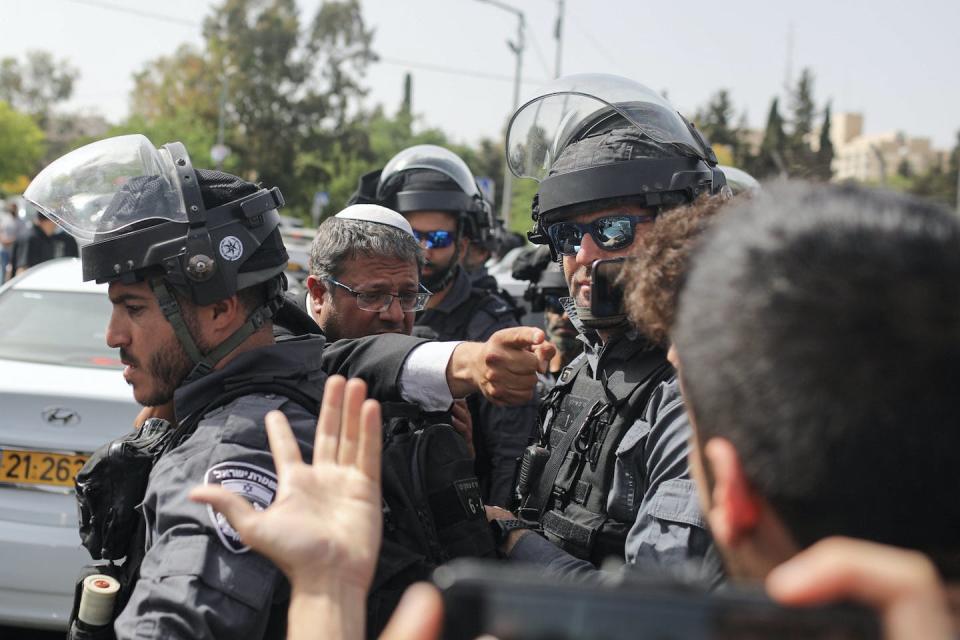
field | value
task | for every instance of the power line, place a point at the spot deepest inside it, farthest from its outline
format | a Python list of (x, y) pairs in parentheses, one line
[(109, 6), (426, 66), (539, 52), (596, 43)]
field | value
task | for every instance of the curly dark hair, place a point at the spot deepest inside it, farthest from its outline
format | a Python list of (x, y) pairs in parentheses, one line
[(655, 274)]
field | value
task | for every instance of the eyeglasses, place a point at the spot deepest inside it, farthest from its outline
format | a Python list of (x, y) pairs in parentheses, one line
[(439, 239), (380, 302), (611, 233)]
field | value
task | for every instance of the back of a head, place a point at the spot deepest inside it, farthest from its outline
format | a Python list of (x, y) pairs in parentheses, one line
[(819, 332)]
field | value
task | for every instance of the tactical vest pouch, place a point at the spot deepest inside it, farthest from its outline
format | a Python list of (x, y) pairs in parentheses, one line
[(444, 470), (111, 485), (432, 513)]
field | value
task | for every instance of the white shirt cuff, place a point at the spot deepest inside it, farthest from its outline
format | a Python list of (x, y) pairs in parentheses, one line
[(423, 379)]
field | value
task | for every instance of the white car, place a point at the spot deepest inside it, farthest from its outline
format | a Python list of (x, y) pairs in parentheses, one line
[(62, 396)]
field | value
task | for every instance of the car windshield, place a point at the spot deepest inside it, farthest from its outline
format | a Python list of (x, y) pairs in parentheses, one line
[(56, 327)]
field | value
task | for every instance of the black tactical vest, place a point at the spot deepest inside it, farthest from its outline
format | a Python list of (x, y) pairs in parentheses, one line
[(453, 325), (583, 420)]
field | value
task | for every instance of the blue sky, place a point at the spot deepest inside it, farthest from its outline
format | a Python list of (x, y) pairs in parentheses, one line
[(896, 62)]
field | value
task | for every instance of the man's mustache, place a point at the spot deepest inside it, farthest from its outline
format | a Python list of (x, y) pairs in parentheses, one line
[(126, 357)]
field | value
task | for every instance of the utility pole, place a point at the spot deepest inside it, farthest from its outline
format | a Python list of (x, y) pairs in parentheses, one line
[(956, 152), (517, 48), (558, 36)]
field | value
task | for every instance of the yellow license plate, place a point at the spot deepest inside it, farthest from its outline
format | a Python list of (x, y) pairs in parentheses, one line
[(39, 467)]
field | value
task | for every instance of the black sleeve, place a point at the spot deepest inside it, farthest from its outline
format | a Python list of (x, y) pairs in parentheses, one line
[(70, 249), (27, 251), (378, 360)]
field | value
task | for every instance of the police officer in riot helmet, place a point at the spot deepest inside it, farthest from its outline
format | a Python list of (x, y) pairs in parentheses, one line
[(609, 474), (436, 192), (194, 263)]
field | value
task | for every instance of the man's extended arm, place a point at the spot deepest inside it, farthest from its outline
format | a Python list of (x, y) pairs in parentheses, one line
[(398, 367)]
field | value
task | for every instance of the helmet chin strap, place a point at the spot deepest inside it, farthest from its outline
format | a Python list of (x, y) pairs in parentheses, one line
[(438, 285), (591, 321), (204, 363)]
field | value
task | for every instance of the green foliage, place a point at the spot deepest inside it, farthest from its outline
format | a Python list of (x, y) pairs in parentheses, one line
[(35, 85), (770, 160), (715, 120), (803, 108), (181, 126), (21, 143), (523, 192), (799, 156), (941, 182), (824, 159)]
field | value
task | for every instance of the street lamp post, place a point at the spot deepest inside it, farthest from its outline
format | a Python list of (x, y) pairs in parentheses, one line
[(517, 48), (220, 151)]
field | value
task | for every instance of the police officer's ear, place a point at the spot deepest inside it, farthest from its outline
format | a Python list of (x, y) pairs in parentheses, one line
[(226, 314), (318, 290)]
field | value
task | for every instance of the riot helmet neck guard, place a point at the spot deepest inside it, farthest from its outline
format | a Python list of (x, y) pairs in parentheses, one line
[(143, 214)]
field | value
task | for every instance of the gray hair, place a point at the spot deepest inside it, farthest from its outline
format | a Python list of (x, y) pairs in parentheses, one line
[(339, 240)]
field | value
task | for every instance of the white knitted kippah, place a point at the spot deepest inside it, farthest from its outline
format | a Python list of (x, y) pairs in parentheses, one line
[(377, 214)]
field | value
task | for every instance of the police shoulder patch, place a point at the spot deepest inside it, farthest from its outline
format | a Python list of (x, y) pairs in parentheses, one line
[(256, 484)]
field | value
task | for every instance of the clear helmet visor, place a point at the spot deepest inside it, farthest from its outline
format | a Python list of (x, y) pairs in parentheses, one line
[(108, 185), (434, 158), (573, 107)]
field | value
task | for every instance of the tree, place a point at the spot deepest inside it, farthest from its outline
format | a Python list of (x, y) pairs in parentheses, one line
[(35, 85), (21, 144), (824, 160), (940, 183), (803, 108), (715, 120), (289, 94), (904, 170), (800, 158), (170, 85), (771, 158)]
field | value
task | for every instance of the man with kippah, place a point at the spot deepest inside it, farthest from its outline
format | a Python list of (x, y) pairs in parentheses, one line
[(365, 274)]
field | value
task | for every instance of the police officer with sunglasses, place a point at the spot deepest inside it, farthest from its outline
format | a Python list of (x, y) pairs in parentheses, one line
[(608, 475), (438, 195)]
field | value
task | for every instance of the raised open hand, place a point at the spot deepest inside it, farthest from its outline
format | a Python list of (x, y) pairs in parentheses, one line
[(325, 523)]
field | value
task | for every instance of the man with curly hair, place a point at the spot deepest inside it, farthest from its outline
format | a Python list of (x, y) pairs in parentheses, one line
[(656, 273)]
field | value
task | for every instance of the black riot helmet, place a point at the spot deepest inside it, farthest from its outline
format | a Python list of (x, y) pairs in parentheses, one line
[(143, 214), (426, 177), (592, 140)]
